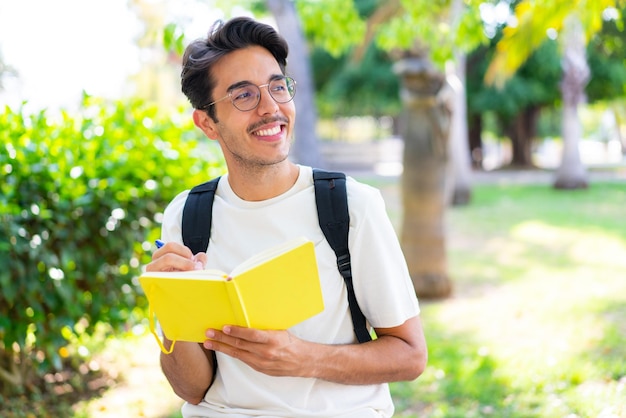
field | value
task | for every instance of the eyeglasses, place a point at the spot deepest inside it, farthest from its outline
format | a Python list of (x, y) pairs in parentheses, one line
[(247, 96)]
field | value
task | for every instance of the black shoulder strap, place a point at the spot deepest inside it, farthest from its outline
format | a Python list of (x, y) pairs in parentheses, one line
[(197, 214), (331, 198)]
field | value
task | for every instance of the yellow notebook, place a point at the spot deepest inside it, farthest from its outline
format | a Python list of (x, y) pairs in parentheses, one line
[(275, 289)]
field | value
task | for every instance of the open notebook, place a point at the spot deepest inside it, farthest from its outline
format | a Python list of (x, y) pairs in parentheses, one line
[(274, 289)]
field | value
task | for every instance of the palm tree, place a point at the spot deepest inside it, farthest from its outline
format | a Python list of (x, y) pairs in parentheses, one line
[(425, 127), (436, 165), (574, 22), (434, 128), (572, 173)]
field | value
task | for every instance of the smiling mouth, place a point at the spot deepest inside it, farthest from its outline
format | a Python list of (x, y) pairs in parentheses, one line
[(269, 126), (269, 132)]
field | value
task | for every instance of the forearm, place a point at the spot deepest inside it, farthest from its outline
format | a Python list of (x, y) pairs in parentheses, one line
[(189, 370), (399, 353), (386, 359)]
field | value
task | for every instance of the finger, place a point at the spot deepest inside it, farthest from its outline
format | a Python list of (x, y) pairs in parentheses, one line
[(232, 337), (218, 336), (171, 262), (218, 341), (248, 334), (172, 257), (173, 248), (200, 259)]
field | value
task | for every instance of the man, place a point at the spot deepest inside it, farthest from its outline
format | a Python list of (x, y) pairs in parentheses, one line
[(235, 80)]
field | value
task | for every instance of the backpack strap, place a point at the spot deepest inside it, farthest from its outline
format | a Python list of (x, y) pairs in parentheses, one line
[(331, 198), (197, 215), (196, 226)]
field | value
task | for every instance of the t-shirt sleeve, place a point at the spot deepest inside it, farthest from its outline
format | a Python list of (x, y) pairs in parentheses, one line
[(382, 283), (171, 229)]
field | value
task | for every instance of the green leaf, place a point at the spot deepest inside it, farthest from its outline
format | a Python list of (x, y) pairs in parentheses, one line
[(61, 233)]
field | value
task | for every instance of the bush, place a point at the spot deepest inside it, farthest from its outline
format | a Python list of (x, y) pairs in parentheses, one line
[(80, 203)]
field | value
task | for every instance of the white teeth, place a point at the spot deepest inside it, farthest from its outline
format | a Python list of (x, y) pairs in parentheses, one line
[(269, 132)]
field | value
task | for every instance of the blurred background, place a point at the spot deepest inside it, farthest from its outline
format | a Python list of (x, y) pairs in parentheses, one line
[(494, 130)]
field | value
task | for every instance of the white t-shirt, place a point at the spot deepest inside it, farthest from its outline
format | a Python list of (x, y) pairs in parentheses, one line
[(382, 286)]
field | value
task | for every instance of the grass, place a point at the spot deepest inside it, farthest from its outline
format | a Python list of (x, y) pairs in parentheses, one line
[(536, 326)]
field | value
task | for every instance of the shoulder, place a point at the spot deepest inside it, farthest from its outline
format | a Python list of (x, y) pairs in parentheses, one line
[(356, 190), (177, 204), (363, 197), (173, 213), (172, 217), (175, 207)]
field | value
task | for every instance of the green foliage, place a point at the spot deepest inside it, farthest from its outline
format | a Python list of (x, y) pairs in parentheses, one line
[(173, 38), (435, 26), (423, 21), (606, 55), (537, 81), (332, 25), (535, 84), (534, 21), (80, 202), (346, 88), (470, 32)]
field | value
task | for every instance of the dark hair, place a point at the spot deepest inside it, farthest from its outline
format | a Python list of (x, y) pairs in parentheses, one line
[(197, 81)]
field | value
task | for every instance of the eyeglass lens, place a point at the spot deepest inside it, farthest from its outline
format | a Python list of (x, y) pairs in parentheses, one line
[(247, 97)]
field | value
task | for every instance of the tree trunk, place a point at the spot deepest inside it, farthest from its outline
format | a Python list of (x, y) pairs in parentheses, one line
[(306, 146), (572, 173), (475, 133), (459, 145), (618, 129), (425, 129), (522, 131)]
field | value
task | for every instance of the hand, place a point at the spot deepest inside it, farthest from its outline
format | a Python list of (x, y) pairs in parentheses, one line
[(176, 257), (275, 353)]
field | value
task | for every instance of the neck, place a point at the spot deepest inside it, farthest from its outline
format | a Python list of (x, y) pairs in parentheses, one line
[(263, 182)]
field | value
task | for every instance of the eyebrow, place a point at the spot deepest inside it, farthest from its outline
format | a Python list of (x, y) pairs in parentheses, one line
[(246, 82)]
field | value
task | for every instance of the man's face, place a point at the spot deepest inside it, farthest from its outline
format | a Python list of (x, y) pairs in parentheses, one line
[(257, 137)]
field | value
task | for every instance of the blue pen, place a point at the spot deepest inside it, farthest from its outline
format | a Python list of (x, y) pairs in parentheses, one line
[(159, 243)]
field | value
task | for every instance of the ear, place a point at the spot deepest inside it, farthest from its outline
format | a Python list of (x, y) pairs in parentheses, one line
[(203, 121)]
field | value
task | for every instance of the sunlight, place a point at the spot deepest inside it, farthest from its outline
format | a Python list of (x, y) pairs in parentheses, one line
[(580, 245), (67, 46)]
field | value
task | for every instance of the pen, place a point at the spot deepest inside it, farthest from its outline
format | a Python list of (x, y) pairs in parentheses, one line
[(159, 243)]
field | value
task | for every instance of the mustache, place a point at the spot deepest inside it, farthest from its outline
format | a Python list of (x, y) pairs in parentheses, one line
[(266, 121)]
